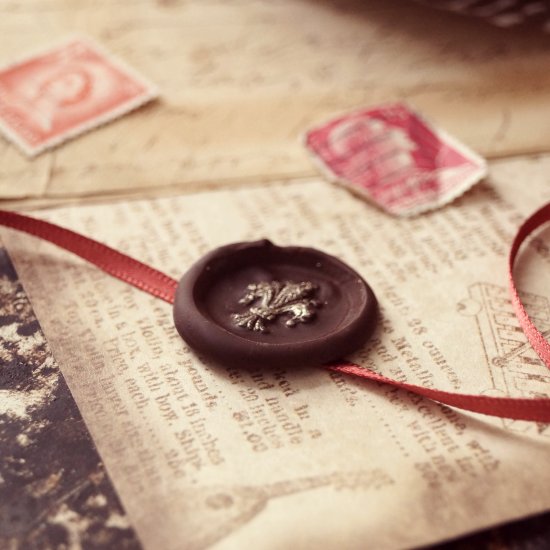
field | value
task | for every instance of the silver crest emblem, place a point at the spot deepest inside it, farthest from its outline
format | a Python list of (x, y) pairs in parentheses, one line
[(276, 298)]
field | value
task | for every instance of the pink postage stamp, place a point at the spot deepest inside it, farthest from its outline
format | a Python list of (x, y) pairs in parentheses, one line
[(60, 93), (394, 158)]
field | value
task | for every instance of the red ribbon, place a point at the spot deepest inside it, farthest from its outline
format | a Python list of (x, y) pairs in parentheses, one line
[(160, 285), (106, 258)]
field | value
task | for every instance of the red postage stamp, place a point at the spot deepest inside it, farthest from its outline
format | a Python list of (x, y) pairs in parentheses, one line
[(394, 158), (60, 93)]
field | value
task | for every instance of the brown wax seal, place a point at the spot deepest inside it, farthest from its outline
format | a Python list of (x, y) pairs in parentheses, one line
[(254, 304)]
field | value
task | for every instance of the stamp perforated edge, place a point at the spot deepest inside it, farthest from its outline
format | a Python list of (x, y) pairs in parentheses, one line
[(481, 172), (151, 92)]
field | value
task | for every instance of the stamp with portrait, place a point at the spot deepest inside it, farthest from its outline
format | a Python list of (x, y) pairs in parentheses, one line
[(57, 94), (394, 158)]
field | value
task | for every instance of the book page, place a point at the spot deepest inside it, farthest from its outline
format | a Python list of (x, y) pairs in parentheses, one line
[(203, 455), (240, 83)]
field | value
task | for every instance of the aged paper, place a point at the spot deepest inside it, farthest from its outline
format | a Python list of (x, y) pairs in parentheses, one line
[(203, 455), (53, 486), (242, 81)]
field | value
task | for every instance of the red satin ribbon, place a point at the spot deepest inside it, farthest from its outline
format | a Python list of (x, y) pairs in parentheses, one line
[(160, 285), (106, 258), (540, 345)]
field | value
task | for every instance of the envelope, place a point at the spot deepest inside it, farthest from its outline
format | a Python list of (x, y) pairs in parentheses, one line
[(206, 455), (240, 84)]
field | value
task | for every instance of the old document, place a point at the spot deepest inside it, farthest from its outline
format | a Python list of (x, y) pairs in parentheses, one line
[(240, 83), (204, 455)]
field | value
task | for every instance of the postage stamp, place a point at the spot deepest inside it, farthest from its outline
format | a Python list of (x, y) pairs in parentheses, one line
[(515, 368), (394, 158), (57, 94)]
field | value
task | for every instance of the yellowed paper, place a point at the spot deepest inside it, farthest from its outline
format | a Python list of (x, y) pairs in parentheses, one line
[(241, 82), (207, 456)]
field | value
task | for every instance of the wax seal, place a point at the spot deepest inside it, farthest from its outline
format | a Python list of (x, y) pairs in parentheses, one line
[(254, 304)]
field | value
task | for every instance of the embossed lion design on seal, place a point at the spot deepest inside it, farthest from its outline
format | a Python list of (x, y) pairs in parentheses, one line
[(277, 298)]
